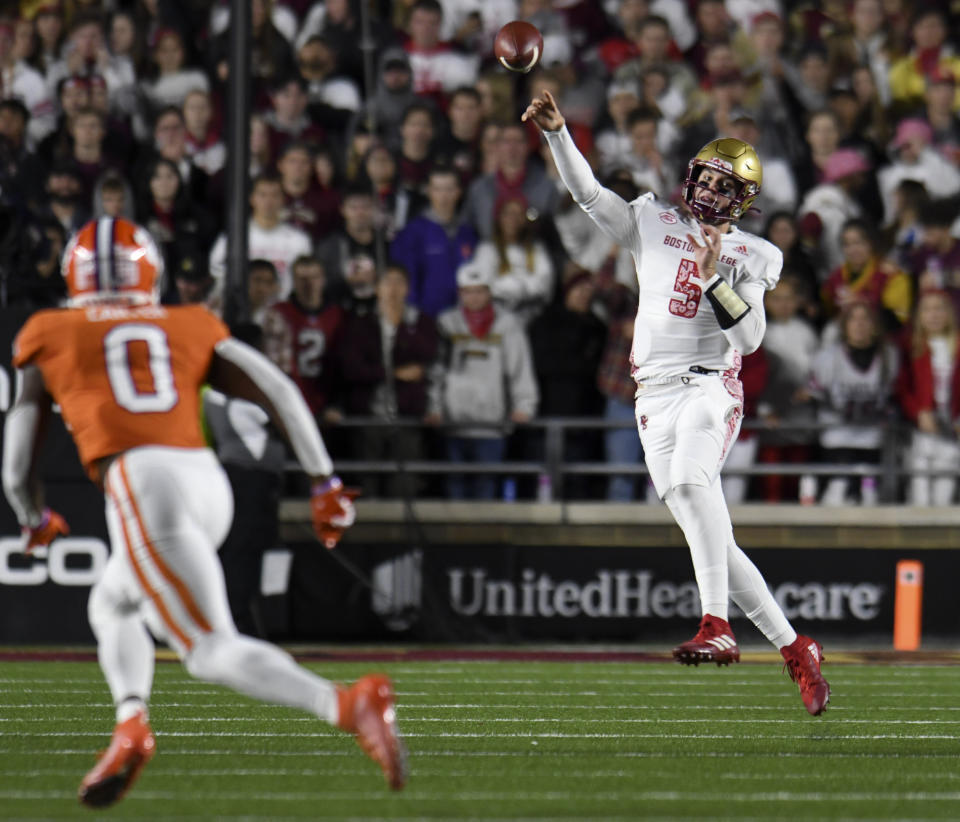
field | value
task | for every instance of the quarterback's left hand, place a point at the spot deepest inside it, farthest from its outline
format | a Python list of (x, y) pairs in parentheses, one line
[(333, 511), (51, 526)]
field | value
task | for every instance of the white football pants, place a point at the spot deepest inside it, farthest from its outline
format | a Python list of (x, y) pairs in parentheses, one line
[(168, 510), (687, 430)]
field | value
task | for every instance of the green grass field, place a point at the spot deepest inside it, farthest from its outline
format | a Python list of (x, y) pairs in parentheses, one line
[(508, 740)]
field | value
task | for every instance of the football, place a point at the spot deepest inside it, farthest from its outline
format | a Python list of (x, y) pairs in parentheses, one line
[(518, 46)]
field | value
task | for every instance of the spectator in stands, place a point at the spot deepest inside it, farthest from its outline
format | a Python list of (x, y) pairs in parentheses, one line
[(287, 119), (329, 179), (268, 237), (191, 278), (88, 156), (651, 38), (515, 174), (936, 261), (725, 93), (459, 147), (867, 276), (872, 123), (300, 334), (172, 217), (113, 198), (387, 360), (359, 245), (865, 42), (22, 81), (31, 260), (85, 51), (171, 79), (304, 202), (394, 94), (62, 198), (333, 98), (613, 137), (827, 206), (521, 267), (124, 60), (929, 394), (205, 148), (262, 286), (648, 167), (904, 234), (437, 68), (414, 155), (488, 380), (822, 138), (260, 160), (916, 159), (567, 341), (930, 50), (433, 246), (17, 164), (170, 143), (852, 381), (779, 192), (394, 204), (50, 37), (73, 94), (754, 375), (811, 79), (271, 56), (939, 111), (790, 343)]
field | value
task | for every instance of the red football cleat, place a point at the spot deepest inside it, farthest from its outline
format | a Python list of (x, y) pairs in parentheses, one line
[(714, 642), (368, 709), (803, 657), (131, 748)]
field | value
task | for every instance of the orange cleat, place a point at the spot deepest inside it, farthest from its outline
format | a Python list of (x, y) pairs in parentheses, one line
[(131, 748), (368, 709)]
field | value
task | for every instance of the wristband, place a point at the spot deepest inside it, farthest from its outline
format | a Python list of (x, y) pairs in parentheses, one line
[(729, 306)]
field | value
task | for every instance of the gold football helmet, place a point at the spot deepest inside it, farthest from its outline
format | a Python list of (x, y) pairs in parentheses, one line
[(739, 161)]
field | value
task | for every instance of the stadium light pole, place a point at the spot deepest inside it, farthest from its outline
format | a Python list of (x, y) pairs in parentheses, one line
[(238, 163)]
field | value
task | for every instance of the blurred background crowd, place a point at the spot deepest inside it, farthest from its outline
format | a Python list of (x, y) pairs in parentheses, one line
[(415, 257)]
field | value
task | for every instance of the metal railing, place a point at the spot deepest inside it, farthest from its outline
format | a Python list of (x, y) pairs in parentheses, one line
[(553, 464)]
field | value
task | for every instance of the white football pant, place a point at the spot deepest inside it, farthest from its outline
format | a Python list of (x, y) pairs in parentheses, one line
[(687, 429), (168, 510)]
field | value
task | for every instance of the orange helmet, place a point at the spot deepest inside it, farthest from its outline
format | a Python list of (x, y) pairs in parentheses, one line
[(110, 259)]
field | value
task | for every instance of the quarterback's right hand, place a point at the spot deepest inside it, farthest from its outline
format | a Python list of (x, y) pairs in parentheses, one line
[(331, 506), (544, 112), (51, 526)]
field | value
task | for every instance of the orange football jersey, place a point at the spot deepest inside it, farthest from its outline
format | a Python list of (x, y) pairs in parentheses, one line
[(123, 375)]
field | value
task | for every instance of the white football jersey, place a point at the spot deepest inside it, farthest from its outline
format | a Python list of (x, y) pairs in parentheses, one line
[(675, 326)]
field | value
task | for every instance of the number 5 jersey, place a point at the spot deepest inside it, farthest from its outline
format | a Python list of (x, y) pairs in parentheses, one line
[(675, 326), (124, 376)]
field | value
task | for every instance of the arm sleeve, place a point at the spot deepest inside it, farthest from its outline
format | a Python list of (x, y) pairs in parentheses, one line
[(609, 211), (21, 431), (285, 402), (747, 333)]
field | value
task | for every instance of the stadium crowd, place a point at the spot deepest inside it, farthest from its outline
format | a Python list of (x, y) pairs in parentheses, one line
[(414, 255)]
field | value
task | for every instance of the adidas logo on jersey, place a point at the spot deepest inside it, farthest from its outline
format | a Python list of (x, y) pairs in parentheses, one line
[(741, 249)]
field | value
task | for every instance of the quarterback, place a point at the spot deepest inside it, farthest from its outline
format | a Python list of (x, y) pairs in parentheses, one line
[(126, 373), (701, 284)]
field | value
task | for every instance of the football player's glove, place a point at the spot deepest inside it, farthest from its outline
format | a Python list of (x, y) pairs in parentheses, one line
[(51, 526), (332, 508)]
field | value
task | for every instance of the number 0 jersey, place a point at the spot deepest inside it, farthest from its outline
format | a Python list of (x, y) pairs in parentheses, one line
[(676, 327), (124, 376)]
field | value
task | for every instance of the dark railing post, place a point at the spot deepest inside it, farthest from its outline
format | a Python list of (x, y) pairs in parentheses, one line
[(553, 458)]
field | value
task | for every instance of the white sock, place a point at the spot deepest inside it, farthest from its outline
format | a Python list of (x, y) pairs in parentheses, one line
[(750, 592), (262, 671), (126, 654), (702, 516), (130, 707)]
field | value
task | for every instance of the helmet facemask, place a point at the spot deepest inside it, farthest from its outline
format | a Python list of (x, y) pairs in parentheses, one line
[(734, 159)]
